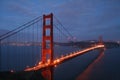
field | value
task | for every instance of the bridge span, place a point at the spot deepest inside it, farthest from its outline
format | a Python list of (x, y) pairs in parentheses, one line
[(64, 58), (29, 33)]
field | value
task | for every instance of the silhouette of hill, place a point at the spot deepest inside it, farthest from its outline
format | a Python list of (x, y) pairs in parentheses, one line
[(30, 75)]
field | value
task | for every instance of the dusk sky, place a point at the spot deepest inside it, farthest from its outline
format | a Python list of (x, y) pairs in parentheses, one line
[(85, 19)]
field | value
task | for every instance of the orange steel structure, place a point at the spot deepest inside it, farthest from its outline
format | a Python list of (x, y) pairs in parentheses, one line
[(47, 45), (100, 40), (47, 63), (47, 40)]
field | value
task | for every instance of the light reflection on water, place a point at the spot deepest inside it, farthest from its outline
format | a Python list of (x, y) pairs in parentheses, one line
[(86, 73)]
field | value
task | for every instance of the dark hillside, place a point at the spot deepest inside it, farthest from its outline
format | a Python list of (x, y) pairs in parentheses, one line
[(31, 75)]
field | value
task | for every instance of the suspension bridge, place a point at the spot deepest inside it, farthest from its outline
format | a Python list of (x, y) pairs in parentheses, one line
[(32, 46)]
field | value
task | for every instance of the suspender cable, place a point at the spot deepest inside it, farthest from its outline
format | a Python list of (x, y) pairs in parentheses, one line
[(60, 30), (63, 27), (13, 33), (21, 26)]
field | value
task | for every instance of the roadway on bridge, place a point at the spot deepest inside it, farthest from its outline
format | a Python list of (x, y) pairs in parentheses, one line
[(64, 58)]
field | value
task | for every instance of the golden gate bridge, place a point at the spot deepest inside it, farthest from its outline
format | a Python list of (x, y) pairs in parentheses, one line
[(35, 37)]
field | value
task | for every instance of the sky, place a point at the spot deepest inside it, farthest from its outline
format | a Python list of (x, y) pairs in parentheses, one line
[(84, 19)]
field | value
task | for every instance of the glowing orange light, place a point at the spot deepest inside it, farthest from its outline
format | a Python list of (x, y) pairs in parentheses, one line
[(40, 62), (55, 65), (58, 60)]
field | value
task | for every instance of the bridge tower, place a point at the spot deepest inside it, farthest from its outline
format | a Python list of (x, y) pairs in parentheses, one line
[(101, 43), (100, 40), (47, 45), (47, 39)]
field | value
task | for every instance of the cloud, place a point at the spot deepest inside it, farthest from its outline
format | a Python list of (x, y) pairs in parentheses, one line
[(90, 16), (80, 17), (20, 9)]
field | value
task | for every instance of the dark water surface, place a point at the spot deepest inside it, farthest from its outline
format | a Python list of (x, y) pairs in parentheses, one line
[(106, 66), (90, 66)]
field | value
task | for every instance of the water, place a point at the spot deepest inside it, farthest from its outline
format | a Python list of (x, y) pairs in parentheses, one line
[(106, 68), (90, 66), (18, 57), (87, 67)]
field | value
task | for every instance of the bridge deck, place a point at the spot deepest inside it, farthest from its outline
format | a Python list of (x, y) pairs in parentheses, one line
[(64, 58)]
